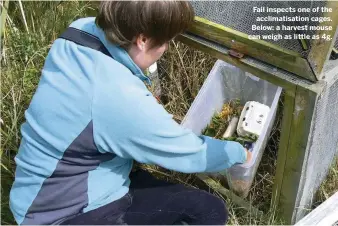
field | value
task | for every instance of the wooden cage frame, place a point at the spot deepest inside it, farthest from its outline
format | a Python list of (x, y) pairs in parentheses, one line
[(302, 86)]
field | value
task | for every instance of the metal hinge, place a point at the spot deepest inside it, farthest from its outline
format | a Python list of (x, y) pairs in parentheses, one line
[(235, 54)]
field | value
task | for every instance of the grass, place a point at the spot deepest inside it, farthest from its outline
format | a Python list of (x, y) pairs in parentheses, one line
[(23, 50), (22, 57), (183, 71), (329, 186)]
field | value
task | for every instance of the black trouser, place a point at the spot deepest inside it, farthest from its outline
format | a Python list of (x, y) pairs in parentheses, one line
[(152, 201)]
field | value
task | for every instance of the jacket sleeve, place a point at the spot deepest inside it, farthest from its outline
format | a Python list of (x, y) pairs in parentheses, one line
[(130, 123)]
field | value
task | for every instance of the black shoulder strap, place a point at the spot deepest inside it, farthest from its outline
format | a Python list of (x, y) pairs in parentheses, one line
[(84, 39)]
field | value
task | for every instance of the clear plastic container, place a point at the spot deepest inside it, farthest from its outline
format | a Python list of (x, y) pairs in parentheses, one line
[(226, 82)]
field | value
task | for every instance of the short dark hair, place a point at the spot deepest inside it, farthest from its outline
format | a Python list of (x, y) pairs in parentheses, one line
[(160, 21)]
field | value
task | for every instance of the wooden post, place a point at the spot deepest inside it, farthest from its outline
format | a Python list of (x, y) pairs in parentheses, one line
[(289, 106), (299, 108), (321, 48)]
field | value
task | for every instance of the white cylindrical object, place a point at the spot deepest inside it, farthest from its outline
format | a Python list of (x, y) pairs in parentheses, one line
[(231, 128), (153, 75), (153, 68)]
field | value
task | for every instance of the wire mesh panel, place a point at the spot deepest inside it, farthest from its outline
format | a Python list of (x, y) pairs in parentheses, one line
[(322, 146), (330, 64), (243, 15)]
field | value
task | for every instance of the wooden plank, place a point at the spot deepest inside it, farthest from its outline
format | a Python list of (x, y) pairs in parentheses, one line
[(304, 104), (289, 106), (324, 214), (246, 63), (288, 60), (233, 197), (320, 48)]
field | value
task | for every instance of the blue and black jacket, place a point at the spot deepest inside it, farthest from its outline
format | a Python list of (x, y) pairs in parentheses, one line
[(90, 117)]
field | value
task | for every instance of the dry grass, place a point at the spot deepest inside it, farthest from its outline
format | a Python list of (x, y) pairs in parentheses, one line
[(22, 57), (183, 69), (329, 186)]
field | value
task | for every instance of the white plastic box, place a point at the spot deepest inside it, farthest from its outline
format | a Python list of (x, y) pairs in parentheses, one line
[(224, 83)]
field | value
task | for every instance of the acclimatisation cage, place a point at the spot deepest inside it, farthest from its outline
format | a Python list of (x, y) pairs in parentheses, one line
[(222, 26), (238, 20), (240, 16)]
